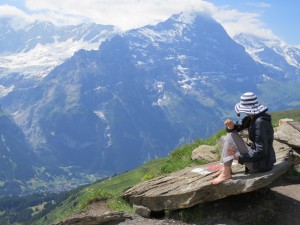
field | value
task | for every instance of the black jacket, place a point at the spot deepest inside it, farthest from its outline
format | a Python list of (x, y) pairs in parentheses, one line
[(261, 134)]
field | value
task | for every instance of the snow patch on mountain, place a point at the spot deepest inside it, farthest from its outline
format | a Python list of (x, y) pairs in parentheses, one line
[(165, 100), (292, 55), (159, 86), (155, 35), (34, 50), (255, 46), (187, 82), (39, 61), (101, 115), (5, 90)]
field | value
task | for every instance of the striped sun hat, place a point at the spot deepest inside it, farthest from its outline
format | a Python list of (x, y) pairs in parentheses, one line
[(249, 105)]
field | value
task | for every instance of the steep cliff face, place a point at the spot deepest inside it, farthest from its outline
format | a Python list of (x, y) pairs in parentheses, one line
[(16, 157)]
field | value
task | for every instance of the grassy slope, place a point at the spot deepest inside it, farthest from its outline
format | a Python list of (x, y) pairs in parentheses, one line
[(292, 114), (110, 189)]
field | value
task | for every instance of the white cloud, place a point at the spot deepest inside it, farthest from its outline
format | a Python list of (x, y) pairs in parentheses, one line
[(236, 22), (125, 14), (18, 17), (259, 4), (128, 14)]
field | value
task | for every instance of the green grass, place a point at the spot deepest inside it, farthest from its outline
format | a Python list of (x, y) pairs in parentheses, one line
[(291, 114), (181, 157), (108, 190)]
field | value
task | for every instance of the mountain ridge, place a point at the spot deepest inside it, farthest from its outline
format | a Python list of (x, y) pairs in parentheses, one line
[(272, 53), (37, 48)]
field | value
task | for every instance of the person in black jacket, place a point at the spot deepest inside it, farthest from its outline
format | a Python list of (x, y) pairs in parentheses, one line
[(259, 154)]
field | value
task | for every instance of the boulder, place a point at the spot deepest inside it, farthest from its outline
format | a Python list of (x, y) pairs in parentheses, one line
[(205, 152), (192, 185), (142, 211), (289, 133), (283, 121)]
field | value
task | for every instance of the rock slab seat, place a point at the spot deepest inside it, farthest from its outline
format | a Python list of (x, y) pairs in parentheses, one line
[(192, 185)]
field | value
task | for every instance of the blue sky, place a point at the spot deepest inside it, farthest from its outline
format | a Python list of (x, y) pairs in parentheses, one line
[(265, 18), (281, 16)]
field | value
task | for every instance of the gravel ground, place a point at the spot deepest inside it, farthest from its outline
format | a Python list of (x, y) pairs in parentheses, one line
[(144, 221)]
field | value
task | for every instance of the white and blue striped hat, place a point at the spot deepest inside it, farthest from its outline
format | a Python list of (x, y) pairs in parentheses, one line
[(249, 105)]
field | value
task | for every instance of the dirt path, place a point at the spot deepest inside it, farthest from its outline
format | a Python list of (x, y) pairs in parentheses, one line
[(287, 192), (291, 191)]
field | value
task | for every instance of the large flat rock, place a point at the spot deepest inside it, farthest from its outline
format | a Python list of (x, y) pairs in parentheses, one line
[(192, 185)]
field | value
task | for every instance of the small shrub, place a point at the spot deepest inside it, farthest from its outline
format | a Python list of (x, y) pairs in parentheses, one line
[(150, 175), (119, 204)]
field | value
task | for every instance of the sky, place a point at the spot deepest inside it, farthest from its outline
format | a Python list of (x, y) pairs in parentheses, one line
[(265, 18)]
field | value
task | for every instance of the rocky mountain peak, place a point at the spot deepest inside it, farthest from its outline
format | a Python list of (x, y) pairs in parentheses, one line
[(177, 27), (273, 53)]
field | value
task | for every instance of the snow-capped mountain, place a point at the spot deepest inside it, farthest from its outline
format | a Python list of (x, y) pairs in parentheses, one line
[(272, 53), (141, 94), (34, 50)]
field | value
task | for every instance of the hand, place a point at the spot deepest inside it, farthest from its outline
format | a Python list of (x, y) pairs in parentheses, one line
[(228, 123), (231, 151)]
